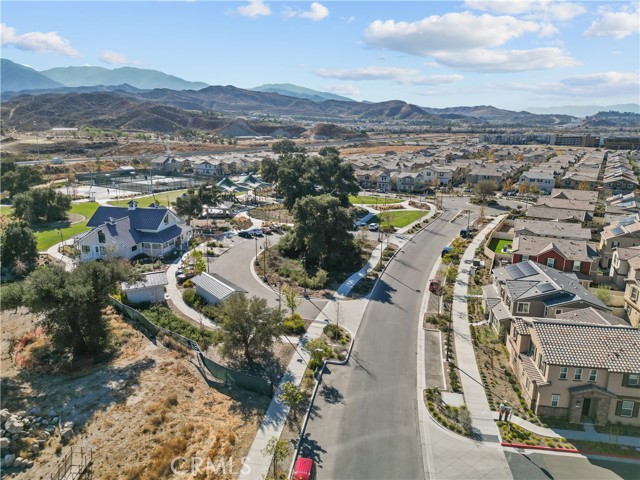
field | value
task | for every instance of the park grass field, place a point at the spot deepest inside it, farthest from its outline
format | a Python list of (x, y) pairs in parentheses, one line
[(164, 198), (47, 237), (399, 218)]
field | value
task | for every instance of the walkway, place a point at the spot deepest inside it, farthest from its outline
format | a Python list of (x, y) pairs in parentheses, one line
[(173, 294), (53, 252), (344, 289), (475, 397)]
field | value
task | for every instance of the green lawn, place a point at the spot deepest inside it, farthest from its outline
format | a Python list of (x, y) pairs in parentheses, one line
[(47, 238), (368, 200), (6, 210), (496, 244), (163, 198), (399, 218)]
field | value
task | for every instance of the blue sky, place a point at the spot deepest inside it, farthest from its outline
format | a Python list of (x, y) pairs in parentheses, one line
[(511, 54)]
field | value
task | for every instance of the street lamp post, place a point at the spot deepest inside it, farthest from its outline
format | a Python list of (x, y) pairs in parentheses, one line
[(256, 239)]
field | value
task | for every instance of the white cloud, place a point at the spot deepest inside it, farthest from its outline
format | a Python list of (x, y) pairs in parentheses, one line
[(532, 9), (591, 85), (485, 60), (343, 89), (618, 25), (316, 13), (256, 8), (115, 58), (40, 42), (401, 75), (449, 32)]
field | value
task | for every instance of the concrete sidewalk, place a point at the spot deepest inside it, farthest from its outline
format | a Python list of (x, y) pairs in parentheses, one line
[(474, 394), (344, 289), (173, 294), (54, 253)]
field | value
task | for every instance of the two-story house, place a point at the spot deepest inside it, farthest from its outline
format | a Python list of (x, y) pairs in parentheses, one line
[(529, 289), (382, 180), (125, 232), (577, 256), (632, 292), (625, 233), (542, 180), (620, 265), (409, 182), (585, 370)]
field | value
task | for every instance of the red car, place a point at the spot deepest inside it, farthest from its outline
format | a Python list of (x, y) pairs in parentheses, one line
[(304, 469)]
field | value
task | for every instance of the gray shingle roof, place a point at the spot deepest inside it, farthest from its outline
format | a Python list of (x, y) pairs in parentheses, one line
[(153, 279), (615, 348), (216, 285), (592, 316)]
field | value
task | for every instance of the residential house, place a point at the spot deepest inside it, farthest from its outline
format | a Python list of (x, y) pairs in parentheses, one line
[(631, 292), (539, 212), (150, 289), (409, 182), (585, 370), (620, 267), (208, 168), (534, 290), (542, 180), (438, 176), (382, 180), (213, 288), (582, 196), (577, 256), (625, 234), (126, 232), (568, 231), (165, 163), (364, 178), (581, 177)]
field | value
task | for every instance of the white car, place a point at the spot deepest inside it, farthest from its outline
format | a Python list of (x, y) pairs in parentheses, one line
[(374, 227)]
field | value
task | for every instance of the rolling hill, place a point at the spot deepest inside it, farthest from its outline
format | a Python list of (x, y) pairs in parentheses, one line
[(15, 77), (291, 90), (136, 77)]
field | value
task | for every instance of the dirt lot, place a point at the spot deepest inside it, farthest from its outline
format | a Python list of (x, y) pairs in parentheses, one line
[(139, 411)]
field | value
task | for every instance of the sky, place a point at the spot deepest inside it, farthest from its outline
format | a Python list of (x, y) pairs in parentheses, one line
[(511, 54)]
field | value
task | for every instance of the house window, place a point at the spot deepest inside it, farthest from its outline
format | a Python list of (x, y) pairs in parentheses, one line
[(631, 380), (593, 375), (615, 244), (555, 399), (577, 374), (564, 371), (576, 266), (532, 350), (134, 248), (634, 293), (166, 219), (527, 384), (101, 237), (558, 311), (626, 408), (525, 258), (523, 307), (86, 249), (551, 262), (541, 364)]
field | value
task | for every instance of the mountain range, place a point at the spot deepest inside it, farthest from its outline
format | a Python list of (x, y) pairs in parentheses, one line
[(153, 100), (586, 110)]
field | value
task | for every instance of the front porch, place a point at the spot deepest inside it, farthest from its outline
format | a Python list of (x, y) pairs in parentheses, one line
[(589, 404)]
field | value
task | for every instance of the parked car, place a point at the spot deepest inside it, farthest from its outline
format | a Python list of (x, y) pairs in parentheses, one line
[(304, 469), (267, 231), (181, 278), (445, 250), (435, 287), (381, 190), (373, 227), (245, 234)]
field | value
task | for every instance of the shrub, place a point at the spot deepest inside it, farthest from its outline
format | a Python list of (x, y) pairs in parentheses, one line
[(212, 312), (332, 331), (294, 325), (191, 298)]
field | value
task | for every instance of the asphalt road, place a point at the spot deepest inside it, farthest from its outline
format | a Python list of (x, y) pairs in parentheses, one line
[(365, 417)]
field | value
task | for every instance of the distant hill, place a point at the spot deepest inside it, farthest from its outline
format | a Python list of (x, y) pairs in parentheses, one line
[(587, 110), (612, 119), (492, 114), (62, 90), (291, 90), (15, 77), (136, 77), (323, 131)]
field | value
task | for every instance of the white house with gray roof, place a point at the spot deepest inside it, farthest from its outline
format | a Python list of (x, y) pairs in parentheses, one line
[(149, 289), (126, 232), (215, 289)]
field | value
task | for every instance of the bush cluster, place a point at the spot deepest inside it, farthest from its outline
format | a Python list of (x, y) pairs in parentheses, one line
[(165, 318), (294, 325)]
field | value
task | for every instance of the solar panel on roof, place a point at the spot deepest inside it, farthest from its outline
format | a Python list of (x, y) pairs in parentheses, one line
[(515, 271), (527, 269), (546, 287)]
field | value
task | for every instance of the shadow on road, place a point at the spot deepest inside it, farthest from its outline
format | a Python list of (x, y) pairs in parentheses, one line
[(312, 449), (331, 395), (360, 364), (382, 292)]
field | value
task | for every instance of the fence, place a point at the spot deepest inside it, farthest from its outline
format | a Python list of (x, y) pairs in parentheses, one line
[(74, 465), (143, 181), (225, 374)]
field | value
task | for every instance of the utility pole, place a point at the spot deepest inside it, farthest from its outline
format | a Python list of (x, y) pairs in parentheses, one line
[(264, 258)]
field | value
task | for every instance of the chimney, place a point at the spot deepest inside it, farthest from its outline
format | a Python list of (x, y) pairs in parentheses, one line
[(112, 221), (132, 204)]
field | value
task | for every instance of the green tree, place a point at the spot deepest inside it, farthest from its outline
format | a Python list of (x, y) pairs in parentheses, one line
[(318, 350), (321, 233), (293, 397), (248, 326), (190, 204), (290, 298), (18, 179), (18, 248), (71, 303), (278, 450), (485, 189), (41, 205), (199, 263), (286, 146)]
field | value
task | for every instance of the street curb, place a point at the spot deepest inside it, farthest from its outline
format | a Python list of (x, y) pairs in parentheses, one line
[(539, 447)]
